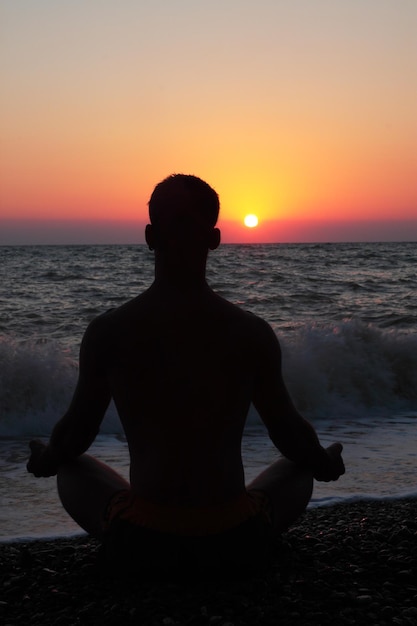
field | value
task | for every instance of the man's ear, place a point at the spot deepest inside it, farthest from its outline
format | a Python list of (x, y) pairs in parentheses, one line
[(150, 236), (214, 240)]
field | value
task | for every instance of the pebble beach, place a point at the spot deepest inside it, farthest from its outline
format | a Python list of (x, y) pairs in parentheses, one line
[(351, 563)]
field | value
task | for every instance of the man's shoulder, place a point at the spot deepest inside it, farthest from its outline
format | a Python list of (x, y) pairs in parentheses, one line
[(260, 327), (118, 314), (117, 319), (98, 327), (237, 311), (250, 321)]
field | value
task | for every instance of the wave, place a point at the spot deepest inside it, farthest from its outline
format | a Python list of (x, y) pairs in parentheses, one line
[(351, 368), (37, 378), (346, 370)]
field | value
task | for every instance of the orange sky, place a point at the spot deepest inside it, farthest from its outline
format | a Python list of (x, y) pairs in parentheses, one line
[(303, 114)]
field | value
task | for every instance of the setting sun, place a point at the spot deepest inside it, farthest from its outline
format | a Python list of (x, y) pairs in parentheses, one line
[(251, 221)]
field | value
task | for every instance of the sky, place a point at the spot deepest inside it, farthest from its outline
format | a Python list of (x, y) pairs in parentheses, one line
[(301, 112)]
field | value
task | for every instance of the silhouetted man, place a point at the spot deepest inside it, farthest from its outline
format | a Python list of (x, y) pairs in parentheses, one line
[(183, 366)]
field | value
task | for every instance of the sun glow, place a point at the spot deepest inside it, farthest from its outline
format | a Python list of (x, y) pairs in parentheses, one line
[(251, 220)]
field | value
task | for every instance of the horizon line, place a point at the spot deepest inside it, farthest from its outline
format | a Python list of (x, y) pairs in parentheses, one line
[(223, 243)]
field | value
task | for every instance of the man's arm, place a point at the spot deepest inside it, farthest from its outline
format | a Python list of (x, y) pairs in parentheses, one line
[(293, 435), (76, 430)]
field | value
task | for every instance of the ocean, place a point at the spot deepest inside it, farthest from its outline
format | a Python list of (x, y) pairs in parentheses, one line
[(345, 315)]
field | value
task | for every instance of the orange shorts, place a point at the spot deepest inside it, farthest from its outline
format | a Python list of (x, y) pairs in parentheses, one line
[(193, 522), (146, 539)]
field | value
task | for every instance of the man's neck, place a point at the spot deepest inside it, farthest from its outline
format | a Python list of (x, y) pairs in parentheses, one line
[(181, 285), (172, 276)]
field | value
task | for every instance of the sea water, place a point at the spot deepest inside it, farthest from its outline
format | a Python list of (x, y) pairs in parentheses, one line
[(345, 315)]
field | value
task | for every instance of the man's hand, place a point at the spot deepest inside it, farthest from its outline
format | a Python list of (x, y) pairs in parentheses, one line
[(332, 466), (41, 461)]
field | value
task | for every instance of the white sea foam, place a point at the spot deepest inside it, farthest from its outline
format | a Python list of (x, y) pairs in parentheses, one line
[(36, 382), (351, 368)]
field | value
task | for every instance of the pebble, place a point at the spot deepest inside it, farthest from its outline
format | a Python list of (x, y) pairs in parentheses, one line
[(364, 599), (340, 569)]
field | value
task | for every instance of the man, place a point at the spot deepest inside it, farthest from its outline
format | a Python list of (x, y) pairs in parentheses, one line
[(183, 366)]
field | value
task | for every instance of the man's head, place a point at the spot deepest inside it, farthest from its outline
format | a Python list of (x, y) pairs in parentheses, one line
[(183, 211), (180, 190)]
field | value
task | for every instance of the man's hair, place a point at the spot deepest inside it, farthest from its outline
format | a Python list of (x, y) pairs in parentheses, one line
[(179, 189)]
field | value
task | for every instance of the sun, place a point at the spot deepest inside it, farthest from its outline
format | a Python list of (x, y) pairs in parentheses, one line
[(251, 220)]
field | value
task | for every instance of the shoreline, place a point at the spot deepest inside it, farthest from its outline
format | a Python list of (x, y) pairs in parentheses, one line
[(319, 503), (349, 563)]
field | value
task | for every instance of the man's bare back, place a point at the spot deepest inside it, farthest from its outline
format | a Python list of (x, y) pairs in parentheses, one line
[(203, 353)]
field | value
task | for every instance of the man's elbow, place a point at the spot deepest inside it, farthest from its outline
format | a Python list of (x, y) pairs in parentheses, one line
[(70, 440)]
